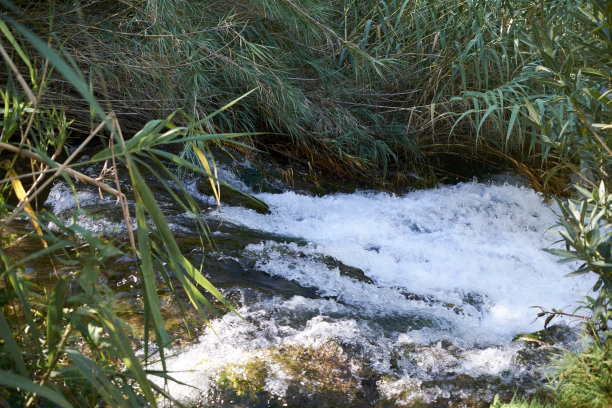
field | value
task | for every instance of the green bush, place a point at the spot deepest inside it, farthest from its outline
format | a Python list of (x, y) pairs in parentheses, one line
[(576, 62)]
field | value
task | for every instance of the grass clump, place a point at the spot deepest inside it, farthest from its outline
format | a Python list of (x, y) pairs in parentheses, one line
[(582, 379), (585, 379), (517, 403)]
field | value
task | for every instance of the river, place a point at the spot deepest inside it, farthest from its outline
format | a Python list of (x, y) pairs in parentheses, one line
[(368, 299)]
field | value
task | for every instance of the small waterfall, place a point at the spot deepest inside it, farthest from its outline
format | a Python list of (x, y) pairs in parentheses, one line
[(385, 299)]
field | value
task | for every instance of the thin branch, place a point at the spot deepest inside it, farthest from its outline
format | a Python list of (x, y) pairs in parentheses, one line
[(78, 176), (122, 199), (58, 170)]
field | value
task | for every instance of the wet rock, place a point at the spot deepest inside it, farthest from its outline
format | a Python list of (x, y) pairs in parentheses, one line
[(554, 334), (242, 383), (297, 376), (234, 197)]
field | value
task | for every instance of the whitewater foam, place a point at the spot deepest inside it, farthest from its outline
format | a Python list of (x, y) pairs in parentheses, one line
[(432, 284), (449, 243)]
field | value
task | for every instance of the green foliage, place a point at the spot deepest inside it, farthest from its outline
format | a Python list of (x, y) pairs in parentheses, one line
[(586, 228), (357, 83), (516, 403), (585, 379), (345, 85), (577, 64), (68, 345)]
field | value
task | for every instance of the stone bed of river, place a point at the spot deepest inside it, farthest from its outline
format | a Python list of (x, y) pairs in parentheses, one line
[(366, 299)]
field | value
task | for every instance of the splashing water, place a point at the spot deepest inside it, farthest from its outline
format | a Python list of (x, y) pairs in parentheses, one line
[(411, 299)]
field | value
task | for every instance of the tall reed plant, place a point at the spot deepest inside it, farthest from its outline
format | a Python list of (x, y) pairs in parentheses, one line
[(347, 86), (66, 344)]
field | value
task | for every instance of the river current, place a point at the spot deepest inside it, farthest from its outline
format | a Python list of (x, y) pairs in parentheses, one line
[(370, 299)]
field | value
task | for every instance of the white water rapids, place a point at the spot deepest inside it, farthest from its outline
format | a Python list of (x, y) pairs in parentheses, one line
[(449, 278)]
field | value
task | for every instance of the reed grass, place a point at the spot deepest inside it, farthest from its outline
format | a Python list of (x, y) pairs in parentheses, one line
[(349, 85), (353, 87), (67, 345)]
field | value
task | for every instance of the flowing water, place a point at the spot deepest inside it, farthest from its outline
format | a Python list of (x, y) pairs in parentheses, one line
[(368, 299)]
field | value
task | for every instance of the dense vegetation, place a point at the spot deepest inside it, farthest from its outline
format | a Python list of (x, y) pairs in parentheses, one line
[(363, 89), (346, 86)]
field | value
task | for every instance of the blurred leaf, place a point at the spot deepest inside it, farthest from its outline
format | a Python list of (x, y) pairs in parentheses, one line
[(55, 315), (16, 381), (11, 345)]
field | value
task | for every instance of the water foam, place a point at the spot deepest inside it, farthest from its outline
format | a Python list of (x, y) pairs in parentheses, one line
[(452, 243), (440, 282)]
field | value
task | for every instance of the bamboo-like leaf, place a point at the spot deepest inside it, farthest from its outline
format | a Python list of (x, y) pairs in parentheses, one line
[(490, 110), (17, 381), (204, 161), (55, 314), (180, 264), (148, 276), (533, 115), (15, 44), (124, 346), (11, 345), (21, 195), (513, 116), (223, 108), (96, 377)]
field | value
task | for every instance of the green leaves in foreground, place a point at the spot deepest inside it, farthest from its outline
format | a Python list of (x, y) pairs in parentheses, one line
[(586, 227), (16, 381), (66, 343)]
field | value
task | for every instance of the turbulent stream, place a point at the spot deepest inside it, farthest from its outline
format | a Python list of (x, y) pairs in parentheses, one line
[(368, 299)]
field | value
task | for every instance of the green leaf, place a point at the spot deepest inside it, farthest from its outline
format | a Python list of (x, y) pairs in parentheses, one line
[(15, 45), (96, 377), (124, 348), (491, 109), (89, 275), (148, 276), (16, 381), (55, 314), (513, 116), (11, 345), (567, 255)]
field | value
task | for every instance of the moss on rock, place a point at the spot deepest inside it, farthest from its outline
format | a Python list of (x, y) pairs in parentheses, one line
[(311, 377)]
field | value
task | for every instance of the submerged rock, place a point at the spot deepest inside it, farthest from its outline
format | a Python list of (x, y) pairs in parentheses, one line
[(234, 197), (295, 376)]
